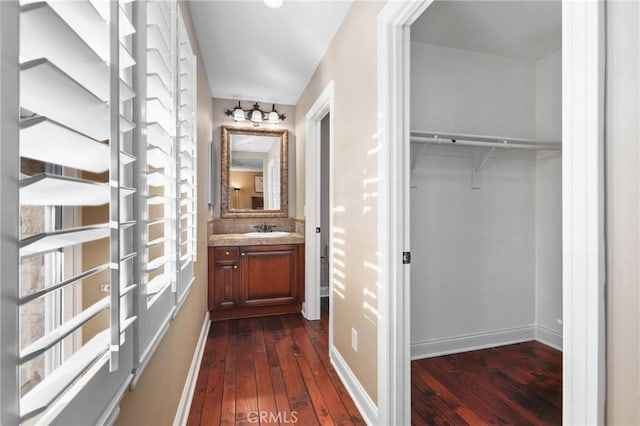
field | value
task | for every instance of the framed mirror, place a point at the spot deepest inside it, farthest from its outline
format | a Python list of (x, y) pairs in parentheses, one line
[(255, 170)]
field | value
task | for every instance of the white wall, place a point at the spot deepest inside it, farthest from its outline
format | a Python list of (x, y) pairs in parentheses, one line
[(548, 120), (473, 269), (548, 97), (486, 260), (460, 91)]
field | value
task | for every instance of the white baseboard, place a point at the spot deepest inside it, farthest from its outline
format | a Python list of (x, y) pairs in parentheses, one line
[(367, 408), (470, 342), (184, 406), (549, 337), (324, 291)]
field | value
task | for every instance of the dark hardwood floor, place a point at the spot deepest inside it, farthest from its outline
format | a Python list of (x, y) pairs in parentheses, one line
[(273, 369), (278, 367), (517, 384)]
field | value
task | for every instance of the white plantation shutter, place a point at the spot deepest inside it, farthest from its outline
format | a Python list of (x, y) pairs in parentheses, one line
[(105, 92), (186, 163), (75, 97), (156, 175)]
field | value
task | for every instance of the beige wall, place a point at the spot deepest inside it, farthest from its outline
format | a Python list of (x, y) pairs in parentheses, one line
[(155, 399), (246, 182), (220, 119), (622, 213), (350, 61)]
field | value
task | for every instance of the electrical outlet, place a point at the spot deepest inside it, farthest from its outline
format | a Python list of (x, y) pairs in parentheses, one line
[(354, 339)]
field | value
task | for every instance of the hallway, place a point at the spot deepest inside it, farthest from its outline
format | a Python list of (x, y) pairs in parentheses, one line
[(274, 369)]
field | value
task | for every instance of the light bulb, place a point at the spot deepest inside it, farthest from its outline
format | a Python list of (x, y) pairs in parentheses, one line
[(238, 114), (273, 4), (273, 117), (256, 116)]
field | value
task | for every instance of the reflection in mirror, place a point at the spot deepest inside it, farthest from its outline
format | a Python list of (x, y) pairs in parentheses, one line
[(254, 172)]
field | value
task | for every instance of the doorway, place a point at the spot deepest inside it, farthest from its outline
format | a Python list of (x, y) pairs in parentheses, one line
[(325, 131), (486, 212), (318, 202), (582, 203)]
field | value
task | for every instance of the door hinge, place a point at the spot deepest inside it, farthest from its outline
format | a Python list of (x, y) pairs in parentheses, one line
[(317, 230), (406, 257)]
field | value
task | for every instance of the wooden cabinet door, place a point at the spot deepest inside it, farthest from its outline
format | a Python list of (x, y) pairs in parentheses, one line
[(269, 275), (224, 281)]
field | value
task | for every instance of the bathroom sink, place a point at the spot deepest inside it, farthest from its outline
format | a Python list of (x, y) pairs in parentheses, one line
[(275, 234)]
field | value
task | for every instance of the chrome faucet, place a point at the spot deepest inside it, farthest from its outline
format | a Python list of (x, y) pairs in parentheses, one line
[(265, 228)]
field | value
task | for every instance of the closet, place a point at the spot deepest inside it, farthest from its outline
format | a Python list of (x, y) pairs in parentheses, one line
[(486, 215)]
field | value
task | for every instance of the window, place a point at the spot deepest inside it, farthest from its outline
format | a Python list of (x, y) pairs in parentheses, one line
[(186, 163), (107, 199)]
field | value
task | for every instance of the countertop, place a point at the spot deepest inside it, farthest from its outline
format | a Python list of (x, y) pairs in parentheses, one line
[(225, 240)]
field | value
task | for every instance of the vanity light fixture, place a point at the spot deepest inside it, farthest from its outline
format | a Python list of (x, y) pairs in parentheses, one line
[(255, 115), (274, 4)]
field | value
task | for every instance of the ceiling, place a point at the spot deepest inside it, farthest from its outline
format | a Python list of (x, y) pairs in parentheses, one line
[(524, 29), (250, 143), (252, 149), (269, 55)]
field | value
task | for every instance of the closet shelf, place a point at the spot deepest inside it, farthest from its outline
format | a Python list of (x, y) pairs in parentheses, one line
[(51, 190), (42, 243), (45, 140), (465, 139)]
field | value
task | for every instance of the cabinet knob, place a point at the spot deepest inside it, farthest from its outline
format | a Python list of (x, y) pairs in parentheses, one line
[(243, 254), (226, 253), (235, 267)]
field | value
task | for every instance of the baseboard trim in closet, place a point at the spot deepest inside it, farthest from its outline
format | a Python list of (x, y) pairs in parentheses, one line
[(471, 342), (549, 337)]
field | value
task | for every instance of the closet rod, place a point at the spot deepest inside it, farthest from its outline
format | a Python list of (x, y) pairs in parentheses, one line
[(505, 143)]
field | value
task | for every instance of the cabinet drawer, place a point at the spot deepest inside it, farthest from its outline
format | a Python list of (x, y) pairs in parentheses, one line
[(227, 253)]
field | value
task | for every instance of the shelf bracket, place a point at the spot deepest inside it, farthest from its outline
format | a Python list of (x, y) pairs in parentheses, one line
[(486, 157), (475, 178)]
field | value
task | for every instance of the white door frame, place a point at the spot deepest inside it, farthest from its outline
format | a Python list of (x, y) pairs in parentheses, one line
[(313, 185), (582, 201)]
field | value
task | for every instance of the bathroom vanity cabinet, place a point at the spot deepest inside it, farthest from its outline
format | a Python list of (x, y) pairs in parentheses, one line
[(248, 281)]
